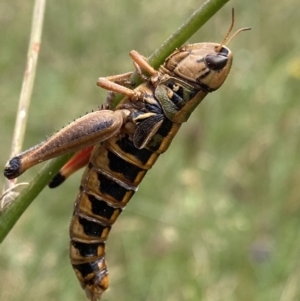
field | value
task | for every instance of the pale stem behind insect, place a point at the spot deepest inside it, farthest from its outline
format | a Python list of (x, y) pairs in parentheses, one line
[(26, 91)]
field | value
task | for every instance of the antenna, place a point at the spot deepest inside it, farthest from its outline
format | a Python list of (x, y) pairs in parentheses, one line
[(225, 42), (236, 33)]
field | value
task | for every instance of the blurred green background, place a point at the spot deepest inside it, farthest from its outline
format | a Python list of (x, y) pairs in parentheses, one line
[(218, 216)]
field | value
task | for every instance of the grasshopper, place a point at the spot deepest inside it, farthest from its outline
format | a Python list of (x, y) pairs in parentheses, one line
[(119, 146)]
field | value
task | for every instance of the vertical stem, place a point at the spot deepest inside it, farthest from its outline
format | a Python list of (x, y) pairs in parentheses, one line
[(27, 86)]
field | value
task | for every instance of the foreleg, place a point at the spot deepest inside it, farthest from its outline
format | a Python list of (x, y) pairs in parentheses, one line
[(121, 79), (116, 84)]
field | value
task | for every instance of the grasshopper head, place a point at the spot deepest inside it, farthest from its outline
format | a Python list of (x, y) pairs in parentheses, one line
[(205, 64)]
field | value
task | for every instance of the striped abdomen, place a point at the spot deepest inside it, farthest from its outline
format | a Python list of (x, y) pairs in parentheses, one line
[(114, 172)]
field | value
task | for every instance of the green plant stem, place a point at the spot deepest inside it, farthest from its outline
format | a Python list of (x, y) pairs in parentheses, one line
[(12, 213), (10, 216), (180, 36)]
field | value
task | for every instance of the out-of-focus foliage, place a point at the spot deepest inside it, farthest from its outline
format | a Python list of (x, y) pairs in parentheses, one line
[(218, 217)]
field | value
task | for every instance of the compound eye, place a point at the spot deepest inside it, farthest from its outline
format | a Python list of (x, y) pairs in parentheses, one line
[(215, 61)]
